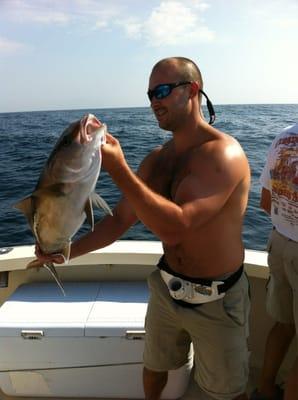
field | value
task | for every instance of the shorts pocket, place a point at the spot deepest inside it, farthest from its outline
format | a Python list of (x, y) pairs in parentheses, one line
[(235, 306)]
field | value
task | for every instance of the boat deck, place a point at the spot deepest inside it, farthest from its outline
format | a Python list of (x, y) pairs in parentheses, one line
[(132, 260), (193, 392)]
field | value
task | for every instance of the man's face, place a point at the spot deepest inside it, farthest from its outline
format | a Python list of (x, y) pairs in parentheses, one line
[(168, 102)]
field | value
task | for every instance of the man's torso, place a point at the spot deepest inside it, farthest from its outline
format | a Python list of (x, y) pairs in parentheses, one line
[(215, 248)]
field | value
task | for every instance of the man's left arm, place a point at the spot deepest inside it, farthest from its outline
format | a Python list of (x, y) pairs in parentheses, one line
[(197, 199)]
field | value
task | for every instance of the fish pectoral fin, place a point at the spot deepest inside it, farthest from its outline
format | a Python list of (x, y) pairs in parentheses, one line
[(99, 202), (89, 213), (26, 207)]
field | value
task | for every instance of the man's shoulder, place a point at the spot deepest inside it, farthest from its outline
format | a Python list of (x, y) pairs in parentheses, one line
[(223, 144), (156, 155), (159, 150), (223, 155)]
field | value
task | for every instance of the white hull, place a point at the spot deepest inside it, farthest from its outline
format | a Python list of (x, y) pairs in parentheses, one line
[(133, 261)]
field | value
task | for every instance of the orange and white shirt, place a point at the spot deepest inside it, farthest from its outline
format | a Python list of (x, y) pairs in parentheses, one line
[(280, 177)]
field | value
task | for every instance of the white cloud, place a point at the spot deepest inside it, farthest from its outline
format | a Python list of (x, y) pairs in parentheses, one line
[(44, 11), (170, 22), (94, 12), (132, 27), (173, 22), (9, 46)]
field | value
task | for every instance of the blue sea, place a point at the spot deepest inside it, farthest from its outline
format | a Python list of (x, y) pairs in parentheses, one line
[(27, 138)]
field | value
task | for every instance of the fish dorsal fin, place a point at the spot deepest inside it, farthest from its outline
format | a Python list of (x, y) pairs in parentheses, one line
[(26, 206), (89, 213), (99, 202)]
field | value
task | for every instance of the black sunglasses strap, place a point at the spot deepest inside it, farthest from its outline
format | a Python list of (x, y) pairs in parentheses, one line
[(210, 108)]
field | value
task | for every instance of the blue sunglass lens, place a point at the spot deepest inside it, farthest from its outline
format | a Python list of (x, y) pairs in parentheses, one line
[(162, 91)]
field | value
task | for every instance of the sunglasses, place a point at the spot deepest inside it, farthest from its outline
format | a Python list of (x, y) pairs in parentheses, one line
[(164, 90)]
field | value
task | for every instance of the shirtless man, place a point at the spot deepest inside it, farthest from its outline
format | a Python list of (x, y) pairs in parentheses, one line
[(192, 193)]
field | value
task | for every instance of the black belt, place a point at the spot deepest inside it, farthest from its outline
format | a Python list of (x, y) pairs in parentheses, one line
[(226, 285)]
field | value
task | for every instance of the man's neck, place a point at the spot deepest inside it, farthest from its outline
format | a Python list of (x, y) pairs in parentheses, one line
[(192, 135)]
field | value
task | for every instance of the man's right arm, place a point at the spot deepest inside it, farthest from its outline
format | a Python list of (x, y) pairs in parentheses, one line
[(106, 231), (265, 202)]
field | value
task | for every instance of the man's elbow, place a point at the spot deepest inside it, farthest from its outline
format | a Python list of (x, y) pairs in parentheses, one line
[(173, 237)]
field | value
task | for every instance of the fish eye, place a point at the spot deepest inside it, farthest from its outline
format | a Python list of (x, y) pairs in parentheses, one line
[(66, 141)]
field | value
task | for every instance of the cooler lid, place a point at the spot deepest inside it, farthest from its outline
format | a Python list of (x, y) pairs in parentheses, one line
[(119, 307), (42, 307)]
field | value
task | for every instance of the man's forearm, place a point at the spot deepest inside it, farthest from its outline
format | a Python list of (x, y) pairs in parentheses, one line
[(105, 232)]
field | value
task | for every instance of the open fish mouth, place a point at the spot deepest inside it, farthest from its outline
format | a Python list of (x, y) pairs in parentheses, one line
[(89, 125)]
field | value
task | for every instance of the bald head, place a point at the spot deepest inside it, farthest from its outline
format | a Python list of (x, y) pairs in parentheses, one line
[(186, 69)]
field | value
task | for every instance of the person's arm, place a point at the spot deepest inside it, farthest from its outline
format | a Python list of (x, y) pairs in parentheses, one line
[(265, 181), (200, 196), (106, 231), (265, 202)]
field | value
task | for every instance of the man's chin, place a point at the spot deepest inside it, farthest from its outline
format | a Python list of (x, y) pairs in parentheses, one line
[(163, 125)]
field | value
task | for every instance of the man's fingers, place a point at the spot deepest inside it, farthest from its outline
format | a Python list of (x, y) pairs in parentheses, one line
[(48, 258), (110, 139)]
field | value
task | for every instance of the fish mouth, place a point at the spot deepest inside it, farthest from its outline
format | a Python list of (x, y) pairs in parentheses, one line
[(89, 125)]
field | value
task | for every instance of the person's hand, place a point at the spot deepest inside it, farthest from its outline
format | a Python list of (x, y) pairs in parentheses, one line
[(112, 154), (48, 258)]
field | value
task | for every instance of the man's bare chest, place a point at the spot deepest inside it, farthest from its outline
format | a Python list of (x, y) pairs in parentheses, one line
[(166, 176)]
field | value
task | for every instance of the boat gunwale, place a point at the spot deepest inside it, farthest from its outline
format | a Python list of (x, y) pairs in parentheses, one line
[(125, 252)]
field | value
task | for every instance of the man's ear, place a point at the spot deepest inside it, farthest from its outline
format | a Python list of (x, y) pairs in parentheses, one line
[(194, 89)]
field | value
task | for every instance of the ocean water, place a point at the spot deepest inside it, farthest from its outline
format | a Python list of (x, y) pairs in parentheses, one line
[(28, 138)]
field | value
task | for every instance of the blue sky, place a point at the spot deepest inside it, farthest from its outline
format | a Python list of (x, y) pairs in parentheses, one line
[(66, 54)]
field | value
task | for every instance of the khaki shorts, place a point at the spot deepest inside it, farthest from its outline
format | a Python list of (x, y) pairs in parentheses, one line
[(282, 288), (218, 331)]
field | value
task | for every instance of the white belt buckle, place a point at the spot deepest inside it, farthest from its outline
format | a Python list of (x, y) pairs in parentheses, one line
[(190, 292), (210, 293)]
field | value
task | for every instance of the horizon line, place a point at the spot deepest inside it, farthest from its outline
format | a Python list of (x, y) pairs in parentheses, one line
[(129, 107)]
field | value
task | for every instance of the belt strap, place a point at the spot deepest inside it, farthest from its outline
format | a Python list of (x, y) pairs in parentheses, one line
[(227, 283), (230, 281), (193, 292)]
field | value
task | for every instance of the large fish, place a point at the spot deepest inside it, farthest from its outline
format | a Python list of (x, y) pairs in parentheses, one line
[(64, 195)]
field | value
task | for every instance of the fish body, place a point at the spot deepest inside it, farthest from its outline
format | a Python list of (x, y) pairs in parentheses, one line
[(64, 195)]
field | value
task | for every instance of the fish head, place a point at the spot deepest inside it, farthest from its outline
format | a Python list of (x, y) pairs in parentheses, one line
[(76, 155), (89, 130)]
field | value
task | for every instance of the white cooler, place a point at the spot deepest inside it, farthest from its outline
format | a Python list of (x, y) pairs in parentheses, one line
[(87, 344)]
